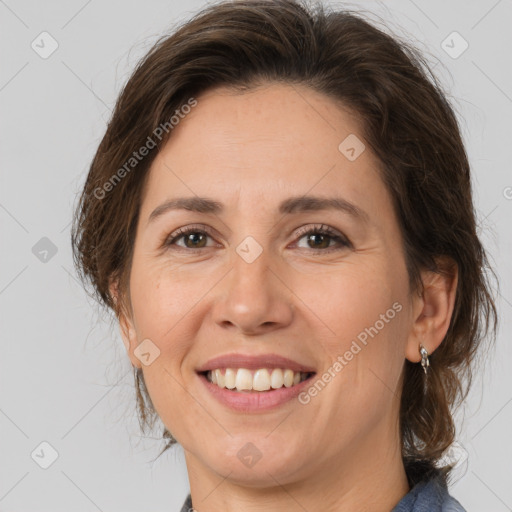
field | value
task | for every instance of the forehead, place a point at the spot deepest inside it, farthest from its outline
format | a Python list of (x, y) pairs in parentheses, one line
[(284, 121), (273, 141)]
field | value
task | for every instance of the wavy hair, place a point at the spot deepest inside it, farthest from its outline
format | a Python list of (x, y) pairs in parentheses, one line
[(407, 122)]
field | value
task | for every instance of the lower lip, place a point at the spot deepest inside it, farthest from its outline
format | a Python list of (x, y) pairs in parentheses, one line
[(254, 401)]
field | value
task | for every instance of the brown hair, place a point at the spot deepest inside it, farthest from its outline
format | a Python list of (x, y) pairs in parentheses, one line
[(408, 124)]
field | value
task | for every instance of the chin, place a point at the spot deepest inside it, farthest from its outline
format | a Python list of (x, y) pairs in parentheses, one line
[(257, 463)]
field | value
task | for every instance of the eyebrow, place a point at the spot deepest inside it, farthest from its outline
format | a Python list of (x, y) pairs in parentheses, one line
[(298, 204)]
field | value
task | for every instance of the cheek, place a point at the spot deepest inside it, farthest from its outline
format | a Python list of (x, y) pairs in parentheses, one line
[(361, 311), (163, 300), (161, 296), (350, 299)]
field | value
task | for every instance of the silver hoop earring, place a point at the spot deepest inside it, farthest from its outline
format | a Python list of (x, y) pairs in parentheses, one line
[(425, 363)]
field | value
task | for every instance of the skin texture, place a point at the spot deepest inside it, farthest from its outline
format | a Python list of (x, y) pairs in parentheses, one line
[(250, 151)]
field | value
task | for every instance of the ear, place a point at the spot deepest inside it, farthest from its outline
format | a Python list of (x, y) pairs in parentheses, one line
[(126, 324), (432, 309)]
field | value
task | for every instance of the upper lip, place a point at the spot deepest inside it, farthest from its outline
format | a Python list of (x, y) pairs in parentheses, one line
[(253, 362)]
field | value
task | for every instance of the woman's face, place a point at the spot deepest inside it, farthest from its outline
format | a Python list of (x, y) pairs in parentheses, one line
[(249, 281)]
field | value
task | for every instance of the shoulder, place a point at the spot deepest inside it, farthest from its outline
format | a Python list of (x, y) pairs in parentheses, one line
[(429, 493), (450, 504)]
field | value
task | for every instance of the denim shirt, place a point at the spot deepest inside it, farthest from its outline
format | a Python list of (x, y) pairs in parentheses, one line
[(426, 496), (429, 496)]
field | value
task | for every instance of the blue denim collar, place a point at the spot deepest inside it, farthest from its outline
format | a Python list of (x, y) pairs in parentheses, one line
[(430, 495)]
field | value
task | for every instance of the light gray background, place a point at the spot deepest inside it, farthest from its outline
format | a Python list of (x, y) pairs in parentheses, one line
[(65, 378)]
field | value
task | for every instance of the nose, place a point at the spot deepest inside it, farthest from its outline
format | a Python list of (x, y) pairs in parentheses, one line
[(254, 298)]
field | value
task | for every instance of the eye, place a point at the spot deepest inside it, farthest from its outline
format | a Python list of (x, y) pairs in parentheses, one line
[(320, 237), (195, 237)]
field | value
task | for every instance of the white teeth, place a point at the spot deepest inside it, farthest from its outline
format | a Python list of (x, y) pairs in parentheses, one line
[(261, 380), (288, 378), (230, 378), (220, 380), (276, 379), (242, 379)]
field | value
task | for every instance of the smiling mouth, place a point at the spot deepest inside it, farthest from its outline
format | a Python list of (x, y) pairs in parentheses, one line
[(262, 380)]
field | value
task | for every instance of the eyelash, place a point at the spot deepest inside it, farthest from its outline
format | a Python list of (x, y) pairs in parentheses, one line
[(318, 229)]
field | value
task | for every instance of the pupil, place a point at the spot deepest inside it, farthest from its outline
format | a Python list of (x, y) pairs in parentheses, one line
[(192, 237), (317, 235)]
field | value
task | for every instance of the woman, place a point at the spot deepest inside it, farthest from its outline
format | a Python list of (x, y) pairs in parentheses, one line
[(280, 215)]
